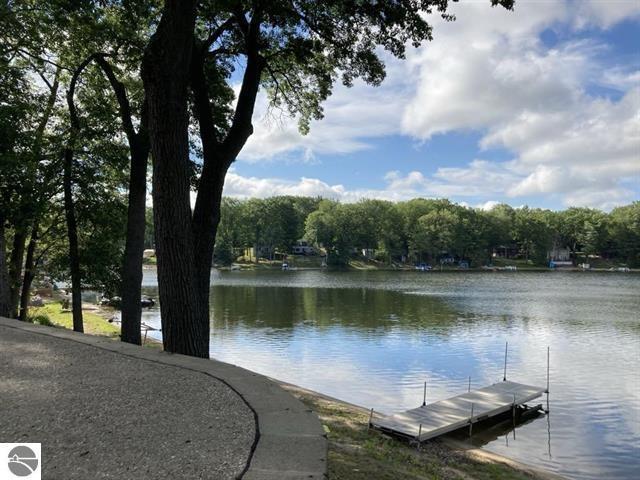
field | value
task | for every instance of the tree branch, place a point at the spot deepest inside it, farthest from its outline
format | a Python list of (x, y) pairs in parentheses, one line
[(241, 127), (218, 32), (121, 96)]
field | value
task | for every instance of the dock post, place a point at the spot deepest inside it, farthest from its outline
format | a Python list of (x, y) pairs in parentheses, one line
[(418, 437), (370, 418), (506, 346), (547, 391), (424, 396), (471, 422)]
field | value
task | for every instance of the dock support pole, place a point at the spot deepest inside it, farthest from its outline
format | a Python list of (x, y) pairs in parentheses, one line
[(471, 422), (418, 437), (424, 395), (370, 419), (547, 392), (506, 346)]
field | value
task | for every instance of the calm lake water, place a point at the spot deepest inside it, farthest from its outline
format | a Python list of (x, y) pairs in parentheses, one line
[(373, 338)]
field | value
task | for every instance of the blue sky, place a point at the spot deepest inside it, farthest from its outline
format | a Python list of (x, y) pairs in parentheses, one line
[(539, 106)]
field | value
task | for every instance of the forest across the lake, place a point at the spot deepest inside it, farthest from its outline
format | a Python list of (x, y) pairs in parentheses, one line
[(424, 230)]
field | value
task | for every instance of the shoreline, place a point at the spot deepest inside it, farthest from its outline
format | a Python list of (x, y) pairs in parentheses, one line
[(440, 449), (439, 453), (357, 453), (253, 267)]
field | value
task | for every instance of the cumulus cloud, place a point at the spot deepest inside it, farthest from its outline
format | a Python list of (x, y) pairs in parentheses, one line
[(488, 72), (245, 187), (352, 116)]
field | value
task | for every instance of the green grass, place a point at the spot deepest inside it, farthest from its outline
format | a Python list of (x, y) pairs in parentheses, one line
[(94, 324), (355, 453), (149, 261)]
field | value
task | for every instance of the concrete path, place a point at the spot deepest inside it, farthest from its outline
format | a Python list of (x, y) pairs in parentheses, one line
[(104, 409)]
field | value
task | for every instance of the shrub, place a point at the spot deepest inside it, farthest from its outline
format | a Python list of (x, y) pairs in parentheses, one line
[(41, 319)]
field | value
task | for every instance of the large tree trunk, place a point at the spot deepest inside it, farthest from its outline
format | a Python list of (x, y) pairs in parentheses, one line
[(134, 247), (15, 268), (165, 73), (5, 303), (72, 233), (218, 157), (29, 272)]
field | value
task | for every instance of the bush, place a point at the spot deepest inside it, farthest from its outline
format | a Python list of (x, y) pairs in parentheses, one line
[(41, 319)]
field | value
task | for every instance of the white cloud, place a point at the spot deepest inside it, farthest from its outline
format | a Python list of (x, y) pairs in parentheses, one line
[(239, 186), (488, 205), (488, 71), (352, 115), (620, 78), (603, 13), (488, 66)]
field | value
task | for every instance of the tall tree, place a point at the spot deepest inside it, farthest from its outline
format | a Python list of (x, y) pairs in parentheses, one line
[(39, 193), (295, 50), (165, 73), (69, 202), (136, 221), (112, 35)]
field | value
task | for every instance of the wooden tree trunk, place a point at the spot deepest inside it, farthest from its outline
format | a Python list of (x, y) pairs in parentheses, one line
[(165, 73), (134, 247), (29, 272), (72, 234), (15, 268), (205, 227), (5, 304), (29, 267)]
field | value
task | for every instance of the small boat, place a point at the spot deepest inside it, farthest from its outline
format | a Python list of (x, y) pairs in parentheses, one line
[(423, 267), (147, 302)]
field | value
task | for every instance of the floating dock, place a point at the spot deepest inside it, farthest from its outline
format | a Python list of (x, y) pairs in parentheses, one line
[(435, 419)]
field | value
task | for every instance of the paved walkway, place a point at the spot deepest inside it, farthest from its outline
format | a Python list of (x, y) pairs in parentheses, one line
[(103, 409)]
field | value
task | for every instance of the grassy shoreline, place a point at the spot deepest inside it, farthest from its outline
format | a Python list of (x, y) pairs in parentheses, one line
[(314, 263), (95, 320), (355, 453)]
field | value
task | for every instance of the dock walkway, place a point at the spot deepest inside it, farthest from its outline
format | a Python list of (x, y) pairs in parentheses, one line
[(435, 419)]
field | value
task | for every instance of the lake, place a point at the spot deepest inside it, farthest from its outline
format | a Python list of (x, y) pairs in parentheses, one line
[(373, 338)]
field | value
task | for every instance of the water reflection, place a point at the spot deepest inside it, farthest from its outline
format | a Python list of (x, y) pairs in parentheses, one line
[(371, 311), (373, 338)]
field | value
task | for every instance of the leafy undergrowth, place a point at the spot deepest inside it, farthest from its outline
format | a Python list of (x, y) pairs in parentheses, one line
[(358, 454)]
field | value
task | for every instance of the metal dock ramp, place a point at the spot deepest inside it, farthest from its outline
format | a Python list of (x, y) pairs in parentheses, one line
[(438, 418)]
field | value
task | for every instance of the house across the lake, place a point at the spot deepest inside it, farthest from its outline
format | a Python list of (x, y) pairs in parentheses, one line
[(559, 254), (505, 251), (303, 248)]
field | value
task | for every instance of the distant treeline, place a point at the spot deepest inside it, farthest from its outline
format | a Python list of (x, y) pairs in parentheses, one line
[(423, 230)]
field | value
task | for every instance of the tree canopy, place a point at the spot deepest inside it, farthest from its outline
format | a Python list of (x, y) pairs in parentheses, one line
[(423, 230)]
